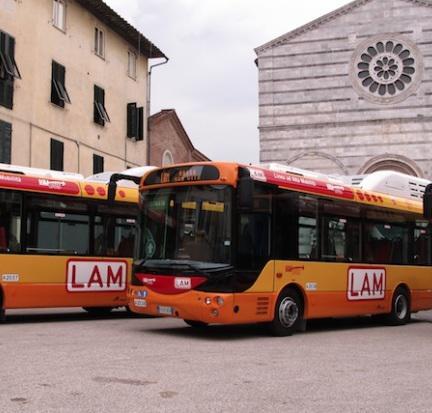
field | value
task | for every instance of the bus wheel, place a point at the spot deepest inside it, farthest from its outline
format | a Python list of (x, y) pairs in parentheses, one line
[(2, 315), (400, 312), (195, 324), (98, 310), (288, 315)]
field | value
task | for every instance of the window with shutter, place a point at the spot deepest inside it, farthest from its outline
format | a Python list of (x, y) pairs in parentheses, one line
[(135, 121), (8, 69), (59, 94), (98, 164), (100, 115), (57, 155), (5, 142)]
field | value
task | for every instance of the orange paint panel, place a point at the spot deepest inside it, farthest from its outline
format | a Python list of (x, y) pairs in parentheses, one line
[(336, 304), (191, 305), (55, 295), (421, 300), (29, 281)]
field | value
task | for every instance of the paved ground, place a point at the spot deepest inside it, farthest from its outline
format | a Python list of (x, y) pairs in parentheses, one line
[(65, 361)]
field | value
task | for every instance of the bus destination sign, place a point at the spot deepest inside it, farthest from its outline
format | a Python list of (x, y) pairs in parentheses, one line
[(188, 173)]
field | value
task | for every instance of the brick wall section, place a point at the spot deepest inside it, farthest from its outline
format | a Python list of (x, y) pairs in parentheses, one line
[(167, 133), (310, 114)]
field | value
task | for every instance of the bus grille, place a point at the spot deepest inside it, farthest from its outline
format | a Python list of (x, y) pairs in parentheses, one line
[(262, 305)]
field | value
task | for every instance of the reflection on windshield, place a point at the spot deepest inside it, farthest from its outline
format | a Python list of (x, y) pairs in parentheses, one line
[(187, 223)]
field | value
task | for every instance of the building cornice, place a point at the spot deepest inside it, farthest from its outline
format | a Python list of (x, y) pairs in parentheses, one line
[(119, 25), (314, 24)]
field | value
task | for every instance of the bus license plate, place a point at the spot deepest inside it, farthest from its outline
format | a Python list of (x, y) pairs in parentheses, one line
[(162, 309)]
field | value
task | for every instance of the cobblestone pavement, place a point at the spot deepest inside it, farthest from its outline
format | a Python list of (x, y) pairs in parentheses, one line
[(66, 361)]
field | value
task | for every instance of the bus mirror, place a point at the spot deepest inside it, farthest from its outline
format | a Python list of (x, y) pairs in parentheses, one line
[(427, 202), (245, 192), (112, 186)]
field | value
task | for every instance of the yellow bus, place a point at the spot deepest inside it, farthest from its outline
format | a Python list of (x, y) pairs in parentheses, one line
[(62, 244), (228, 243)]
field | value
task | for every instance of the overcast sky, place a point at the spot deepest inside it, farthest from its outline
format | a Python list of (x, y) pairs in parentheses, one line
[(211, 78)]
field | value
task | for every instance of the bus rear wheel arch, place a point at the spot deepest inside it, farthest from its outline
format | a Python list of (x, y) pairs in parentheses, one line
[(400, 313), (288, 313)]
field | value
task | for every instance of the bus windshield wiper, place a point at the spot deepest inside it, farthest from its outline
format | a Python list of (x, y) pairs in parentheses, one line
[(208, 271)]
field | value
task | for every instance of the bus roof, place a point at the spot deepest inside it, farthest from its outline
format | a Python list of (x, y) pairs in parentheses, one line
[(51, 182), (334, 187), (298, 180)]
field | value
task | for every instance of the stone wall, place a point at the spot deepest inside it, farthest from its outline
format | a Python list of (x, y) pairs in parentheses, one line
[(319, 105)]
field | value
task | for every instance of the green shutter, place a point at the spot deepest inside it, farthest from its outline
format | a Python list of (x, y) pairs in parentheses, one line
[(5, 142)]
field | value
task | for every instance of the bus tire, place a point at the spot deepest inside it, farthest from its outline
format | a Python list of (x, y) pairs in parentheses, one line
[(196, 324), (288, 315), (400, 312), (98, 310)]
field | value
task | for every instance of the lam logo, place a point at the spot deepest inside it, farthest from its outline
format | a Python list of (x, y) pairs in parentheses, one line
[(366, 284), (182, 283), (96, 276)]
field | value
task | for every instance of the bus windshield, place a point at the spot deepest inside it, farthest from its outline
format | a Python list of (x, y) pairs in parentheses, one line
[(190, 223)]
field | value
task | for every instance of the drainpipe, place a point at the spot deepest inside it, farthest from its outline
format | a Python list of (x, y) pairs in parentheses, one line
[(78, 151), (30, 144), (148, 106)]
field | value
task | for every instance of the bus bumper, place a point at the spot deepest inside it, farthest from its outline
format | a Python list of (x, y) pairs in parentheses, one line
[(211, 308)]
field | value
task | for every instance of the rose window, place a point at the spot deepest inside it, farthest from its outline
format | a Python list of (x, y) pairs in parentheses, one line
[(386, 70)]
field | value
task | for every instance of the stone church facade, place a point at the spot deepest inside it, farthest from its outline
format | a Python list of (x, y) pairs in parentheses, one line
[(351, 92)]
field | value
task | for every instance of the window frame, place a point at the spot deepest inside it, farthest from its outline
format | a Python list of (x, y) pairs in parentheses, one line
[(59, 93), (167, 153), (99, 42), (100, 114), (132, 64), (97, 161), (55, 144), (134, 121), (9, 70), (6, 141), (57, 5)]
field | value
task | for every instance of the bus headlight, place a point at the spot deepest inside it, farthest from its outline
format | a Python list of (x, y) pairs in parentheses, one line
[(219, 301), (208, 300)]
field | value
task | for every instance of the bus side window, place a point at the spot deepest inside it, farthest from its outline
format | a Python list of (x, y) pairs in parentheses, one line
[(57, 227), (125, 236), (10, 221), (422, 243), (285, 225), (340, 239), (386, 238), (114, 231), (307, 228), (254, 241)]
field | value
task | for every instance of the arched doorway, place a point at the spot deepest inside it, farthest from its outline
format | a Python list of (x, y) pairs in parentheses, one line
[(304, 157), (390, 162)]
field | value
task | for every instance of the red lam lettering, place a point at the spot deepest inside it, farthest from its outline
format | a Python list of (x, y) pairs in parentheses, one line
[(365, 286), (95, 278), (352, 292), (74, 283), (377, 284), (115, 279)]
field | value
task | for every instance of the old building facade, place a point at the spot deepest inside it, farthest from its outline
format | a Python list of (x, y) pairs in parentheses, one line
[(351, 92), (73, 86), (169, 141)]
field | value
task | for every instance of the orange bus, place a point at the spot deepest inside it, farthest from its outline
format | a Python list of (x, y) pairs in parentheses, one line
[(62, 244), (228, 243)]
